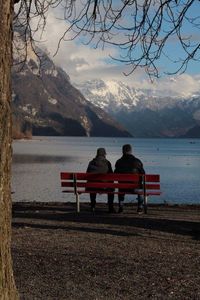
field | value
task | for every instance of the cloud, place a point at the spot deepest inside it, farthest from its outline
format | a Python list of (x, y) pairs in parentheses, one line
[(81, 62), (184, 85)]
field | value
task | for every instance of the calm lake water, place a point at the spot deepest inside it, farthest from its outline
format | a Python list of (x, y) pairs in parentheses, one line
[(37, 164)]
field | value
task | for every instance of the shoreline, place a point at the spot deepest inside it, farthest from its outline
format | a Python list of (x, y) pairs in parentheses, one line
[(16, 204), (59, 254)]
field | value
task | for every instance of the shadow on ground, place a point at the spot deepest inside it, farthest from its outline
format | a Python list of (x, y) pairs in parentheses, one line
[(61, 215)]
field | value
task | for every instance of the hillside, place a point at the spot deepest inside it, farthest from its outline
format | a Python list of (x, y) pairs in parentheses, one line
[(44, 102)]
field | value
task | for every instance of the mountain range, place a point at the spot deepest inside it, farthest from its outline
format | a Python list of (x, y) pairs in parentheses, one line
[(44, 102), (143, 112)]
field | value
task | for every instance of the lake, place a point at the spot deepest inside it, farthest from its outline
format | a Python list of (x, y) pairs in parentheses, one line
[(38, 162)]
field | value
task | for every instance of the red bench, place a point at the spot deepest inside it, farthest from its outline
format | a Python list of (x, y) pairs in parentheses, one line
[(79, 183)]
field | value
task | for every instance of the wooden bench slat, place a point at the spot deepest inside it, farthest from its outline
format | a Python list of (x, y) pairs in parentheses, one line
[(148, 193), (152, 178), (110, 185), (65, 175), (111, 176), (152, 186), (98, 192), (101, 185), (67, 184), (98, 177)]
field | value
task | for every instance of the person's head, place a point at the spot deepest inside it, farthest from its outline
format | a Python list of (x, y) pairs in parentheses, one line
[(101, 152), (127, 149)]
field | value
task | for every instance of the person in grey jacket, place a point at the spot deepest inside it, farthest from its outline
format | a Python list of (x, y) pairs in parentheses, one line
[(100, 164), (128, 163)]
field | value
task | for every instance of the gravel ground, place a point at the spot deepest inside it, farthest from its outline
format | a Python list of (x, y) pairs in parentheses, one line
[(58, 254)]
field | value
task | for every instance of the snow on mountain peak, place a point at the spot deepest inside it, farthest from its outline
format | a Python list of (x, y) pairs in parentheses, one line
[(114, 96), (113, 87), (109, 94)]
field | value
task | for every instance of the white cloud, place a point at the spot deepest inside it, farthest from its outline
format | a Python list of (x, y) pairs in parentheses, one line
[(78, 60), (184, 85), (81, 63)]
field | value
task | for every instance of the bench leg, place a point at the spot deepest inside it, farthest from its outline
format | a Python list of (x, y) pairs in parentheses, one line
[(145, 204), (77, 203)]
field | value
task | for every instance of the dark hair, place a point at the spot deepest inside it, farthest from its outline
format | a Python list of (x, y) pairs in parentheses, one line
[(126, 149)]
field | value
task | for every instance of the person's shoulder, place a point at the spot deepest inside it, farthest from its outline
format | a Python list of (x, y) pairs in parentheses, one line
[(92, 160), (118, 160), (108, 161), (138, 160)]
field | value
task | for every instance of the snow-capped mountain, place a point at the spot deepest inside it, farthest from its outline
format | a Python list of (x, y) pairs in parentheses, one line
[(145, 113), (110, 95), (45, 102)]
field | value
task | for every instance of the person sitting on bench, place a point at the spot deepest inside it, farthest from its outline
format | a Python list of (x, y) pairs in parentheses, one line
[(100, 164), (128, 163)]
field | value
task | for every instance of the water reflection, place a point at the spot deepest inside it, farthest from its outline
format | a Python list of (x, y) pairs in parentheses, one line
[(30, 158)]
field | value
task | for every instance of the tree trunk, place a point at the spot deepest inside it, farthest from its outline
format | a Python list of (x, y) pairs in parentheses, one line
[(7, 285)]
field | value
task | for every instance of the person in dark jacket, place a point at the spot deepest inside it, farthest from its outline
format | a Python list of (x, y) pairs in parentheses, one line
[(100, 164), (128, 163)]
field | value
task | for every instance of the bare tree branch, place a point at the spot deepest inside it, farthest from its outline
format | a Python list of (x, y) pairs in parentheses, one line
[(142, 29)]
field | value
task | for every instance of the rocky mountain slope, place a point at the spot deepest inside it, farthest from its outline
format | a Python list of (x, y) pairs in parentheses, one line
[(44, 102), (144, 113)]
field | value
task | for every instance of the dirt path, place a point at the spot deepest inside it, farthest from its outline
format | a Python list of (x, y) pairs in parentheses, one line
[(58, 254)]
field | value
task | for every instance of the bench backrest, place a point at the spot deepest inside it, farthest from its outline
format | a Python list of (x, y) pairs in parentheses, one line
[(81, 182)]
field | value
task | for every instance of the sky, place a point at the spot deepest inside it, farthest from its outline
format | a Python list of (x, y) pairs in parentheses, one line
[(82, 62)]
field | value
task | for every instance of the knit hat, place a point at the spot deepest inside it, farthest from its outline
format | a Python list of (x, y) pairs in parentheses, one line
[(101, 152)]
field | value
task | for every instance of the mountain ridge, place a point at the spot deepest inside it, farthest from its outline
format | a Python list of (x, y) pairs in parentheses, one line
[(143, 112), (44, 102)]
